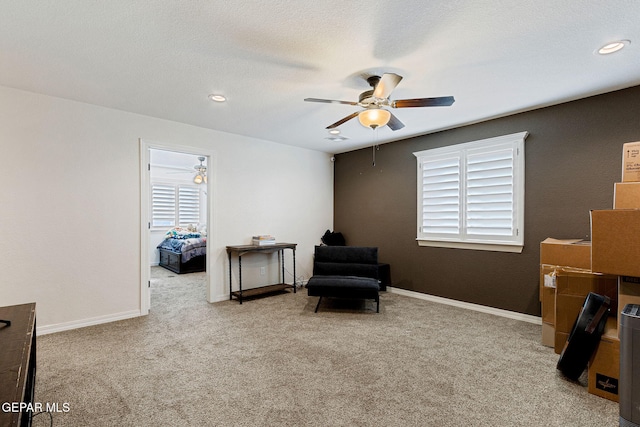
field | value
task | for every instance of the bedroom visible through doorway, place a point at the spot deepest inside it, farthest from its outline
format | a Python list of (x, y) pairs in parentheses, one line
[(175, 217)]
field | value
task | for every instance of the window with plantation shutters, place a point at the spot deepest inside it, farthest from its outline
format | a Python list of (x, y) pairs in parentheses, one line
[(174, 205), (472, 195)]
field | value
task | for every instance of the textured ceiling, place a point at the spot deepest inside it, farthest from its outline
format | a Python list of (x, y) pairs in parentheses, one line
[(162, 58)]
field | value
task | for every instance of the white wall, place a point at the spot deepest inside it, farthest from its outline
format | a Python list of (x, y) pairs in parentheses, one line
[(70, 203)]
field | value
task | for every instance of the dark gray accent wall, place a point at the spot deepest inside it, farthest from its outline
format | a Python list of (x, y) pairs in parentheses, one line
[(573, 158)]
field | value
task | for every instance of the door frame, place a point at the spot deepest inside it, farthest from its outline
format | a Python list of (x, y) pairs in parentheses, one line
[(145, 214)]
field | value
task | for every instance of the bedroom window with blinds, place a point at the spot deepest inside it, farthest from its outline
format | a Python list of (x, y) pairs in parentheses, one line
[(174, 205), (471, 195)]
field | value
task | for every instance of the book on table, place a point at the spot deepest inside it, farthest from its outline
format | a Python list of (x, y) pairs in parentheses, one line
[(263, 240)]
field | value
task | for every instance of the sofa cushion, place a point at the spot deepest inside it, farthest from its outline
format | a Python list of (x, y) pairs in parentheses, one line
[(343, 286), (343, 269), (346, 254)]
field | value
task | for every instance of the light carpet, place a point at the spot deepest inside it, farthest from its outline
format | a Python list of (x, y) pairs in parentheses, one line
[(274, 362)]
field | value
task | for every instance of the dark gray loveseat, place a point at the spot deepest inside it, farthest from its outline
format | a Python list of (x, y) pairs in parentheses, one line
[(345, 272)]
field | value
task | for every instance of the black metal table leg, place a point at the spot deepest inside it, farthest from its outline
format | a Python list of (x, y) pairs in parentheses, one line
[(230, 278), (240, 277), (281, 262)]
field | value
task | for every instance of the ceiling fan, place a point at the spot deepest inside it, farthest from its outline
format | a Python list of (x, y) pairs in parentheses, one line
[(200, 174), (373, 100)]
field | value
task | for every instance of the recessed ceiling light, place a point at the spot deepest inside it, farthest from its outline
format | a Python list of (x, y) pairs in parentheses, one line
[(613, 47), (334, 131), (337, 138), (217, 97)]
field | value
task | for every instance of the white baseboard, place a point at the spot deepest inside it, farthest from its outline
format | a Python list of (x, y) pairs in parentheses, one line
[(220, 298), (469, 306), (66, 326), (59, 327)]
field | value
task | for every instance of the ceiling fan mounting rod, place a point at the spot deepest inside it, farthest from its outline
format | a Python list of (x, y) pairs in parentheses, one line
[(373, 81)]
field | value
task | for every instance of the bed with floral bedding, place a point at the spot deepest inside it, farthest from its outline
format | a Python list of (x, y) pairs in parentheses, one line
[(184, 250)]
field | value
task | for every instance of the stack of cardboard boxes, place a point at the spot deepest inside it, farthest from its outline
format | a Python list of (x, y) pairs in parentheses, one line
[(566, 279), (608, 265)]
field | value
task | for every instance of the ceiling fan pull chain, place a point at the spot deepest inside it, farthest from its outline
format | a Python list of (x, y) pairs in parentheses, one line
[(375, 144)]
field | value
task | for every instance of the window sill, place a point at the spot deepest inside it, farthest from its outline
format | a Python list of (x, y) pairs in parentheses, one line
[(498, 247)]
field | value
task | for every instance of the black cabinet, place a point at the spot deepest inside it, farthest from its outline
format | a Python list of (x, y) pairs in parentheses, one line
[(17, 363)]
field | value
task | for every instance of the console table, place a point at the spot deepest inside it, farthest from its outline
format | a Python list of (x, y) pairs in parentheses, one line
[(250, 249), (17, 361)]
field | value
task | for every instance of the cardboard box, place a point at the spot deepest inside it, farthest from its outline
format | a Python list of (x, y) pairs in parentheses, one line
[(568, 252), (631, 162), (615, 244), (565, 283), (556, 254), (578, 282), (548, 293), (548, 335), (567, 310), (560, 341), (626, 195), (628, 292), (549, 306), (572, 287), (604, 366)]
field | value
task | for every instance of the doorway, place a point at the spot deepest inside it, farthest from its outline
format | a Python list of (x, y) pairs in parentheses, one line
[(174, 173)]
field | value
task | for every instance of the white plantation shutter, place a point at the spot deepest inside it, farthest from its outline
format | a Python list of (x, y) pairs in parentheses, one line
[(173, 205), (163, 205), (489, 198), (188, 205), (472, 195), (441, 196)]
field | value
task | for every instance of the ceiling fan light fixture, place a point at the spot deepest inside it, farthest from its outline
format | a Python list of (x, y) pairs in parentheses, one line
[(374, 117), (334, 131), (613, 47), (197, 179)]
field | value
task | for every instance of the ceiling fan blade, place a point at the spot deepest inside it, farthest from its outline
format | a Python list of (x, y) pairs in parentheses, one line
[(394, 123), (386, 85), (346, 119), (443, 101), (330, 101)]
